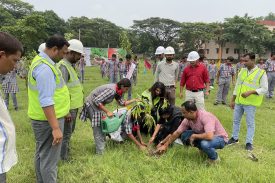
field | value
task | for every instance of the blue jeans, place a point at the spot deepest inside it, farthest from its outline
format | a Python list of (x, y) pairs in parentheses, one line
[(250, 121), (207, 146)]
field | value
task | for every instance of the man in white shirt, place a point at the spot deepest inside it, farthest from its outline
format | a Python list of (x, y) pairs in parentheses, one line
[(248, 94), (10, 52)]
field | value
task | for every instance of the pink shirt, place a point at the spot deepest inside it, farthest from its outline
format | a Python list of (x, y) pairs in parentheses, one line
[(205, 123)]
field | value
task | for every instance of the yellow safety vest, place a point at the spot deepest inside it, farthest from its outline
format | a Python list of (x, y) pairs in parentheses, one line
[(247, 83), (147, 95), (74, 86), (61, 94)]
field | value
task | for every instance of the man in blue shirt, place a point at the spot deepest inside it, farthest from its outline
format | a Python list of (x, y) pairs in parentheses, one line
[(46, 114)]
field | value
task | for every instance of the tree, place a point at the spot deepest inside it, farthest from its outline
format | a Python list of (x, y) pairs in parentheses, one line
[(125, 42), (162, 32), (246, 33), (141, 43), (6, 18), (270, 16), (30, 30), (193, 35), (55, 24), (17, 8), (95, 32)]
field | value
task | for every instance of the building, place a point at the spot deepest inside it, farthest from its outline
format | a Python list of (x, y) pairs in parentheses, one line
[(230, 49)]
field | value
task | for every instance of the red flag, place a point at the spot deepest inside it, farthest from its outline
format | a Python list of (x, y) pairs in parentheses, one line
[(147, 64)]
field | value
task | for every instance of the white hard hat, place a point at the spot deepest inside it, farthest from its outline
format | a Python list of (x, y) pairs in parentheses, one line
[(169, 50), (193, 56), (160, 50), (76, 45), (42, 47)]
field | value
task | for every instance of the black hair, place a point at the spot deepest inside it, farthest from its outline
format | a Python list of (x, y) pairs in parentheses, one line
[(9, 44), (184, 57), (272, 53), (128, 56), (156, 85), (230, 58), (251, 55), (166, 110), (125, 82), (58, 41), (189, 106), (201, 51), (113, 55), (120, 59)]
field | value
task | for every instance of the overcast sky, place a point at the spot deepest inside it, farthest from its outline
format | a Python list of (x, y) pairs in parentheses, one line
[(123, 12)]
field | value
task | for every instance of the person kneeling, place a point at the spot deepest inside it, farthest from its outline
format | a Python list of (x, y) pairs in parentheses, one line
[(129, 128), (170, 119), (207, 133)]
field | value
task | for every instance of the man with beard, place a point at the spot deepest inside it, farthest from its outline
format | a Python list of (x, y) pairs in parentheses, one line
[(49, 103), (66, 66), (167, 73)]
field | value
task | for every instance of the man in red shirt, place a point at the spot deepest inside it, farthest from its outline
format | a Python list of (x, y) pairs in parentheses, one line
[(195, 77)]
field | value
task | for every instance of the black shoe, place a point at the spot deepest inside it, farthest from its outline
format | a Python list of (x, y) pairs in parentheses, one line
[(223, 103), (16, 108), (232, 141), (216, 103), (249, 147)]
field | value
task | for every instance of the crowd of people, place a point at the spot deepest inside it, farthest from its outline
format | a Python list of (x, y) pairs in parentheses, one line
[(55, 97)]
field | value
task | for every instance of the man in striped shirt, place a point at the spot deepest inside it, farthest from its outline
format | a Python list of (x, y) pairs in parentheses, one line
[(10, 52)]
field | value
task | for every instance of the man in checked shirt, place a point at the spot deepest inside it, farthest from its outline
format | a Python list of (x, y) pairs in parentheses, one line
[(225, 75), (94, 107), (270, 69)]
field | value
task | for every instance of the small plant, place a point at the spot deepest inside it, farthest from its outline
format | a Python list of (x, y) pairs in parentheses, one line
[(142, 111)]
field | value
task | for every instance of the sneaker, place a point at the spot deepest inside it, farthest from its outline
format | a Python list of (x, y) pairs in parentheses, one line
[(232, 141), (213, 162), (212, 87), (249, 146), (178, 141), (216, 103), (223, 103)]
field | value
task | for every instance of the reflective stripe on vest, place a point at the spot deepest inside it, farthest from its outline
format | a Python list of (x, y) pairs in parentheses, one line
[(61, 94), (74, 86), (248, 83)]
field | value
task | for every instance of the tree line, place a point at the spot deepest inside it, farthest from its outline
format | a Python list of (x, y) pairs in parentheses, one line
[(33, 27)]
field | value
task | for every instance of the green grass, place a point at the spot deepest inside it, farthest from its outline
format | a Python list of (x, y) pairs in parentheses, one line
[(125, 163)]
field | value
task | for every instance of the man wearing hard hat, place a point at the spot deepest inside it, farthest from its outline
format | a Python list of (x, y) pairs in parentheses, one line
[(75, 89), (159, 54), (42, 47), (195, 77), (167, 73)]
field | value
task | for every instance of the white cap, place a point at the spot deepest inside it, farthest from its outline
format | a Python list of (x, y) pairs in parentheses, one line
[(42, 47), (193, 56), (76, 45), (169, 50), (160, 50)]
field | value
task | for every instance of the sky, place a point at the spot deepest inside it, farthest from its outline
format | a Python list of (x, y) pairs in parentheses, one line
[(123, 12)]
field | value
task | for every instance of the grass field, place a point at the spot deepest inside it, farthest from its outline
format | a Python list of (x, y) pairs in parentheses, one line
[(125, 163)]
